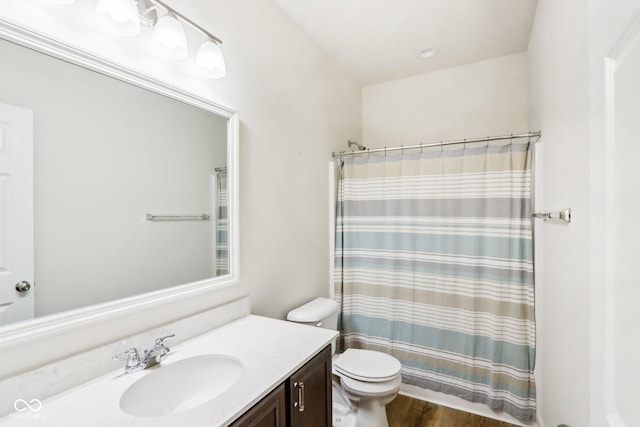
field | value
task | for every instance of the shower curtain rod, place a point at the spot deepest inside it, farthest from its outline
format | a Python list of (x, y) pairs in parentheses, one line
[(439, 144)]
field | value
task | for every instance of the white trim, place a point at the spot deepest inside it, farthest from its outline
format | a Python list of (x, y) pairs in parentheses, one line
[(609, 253), (233, 196), (30, 331), (332, 229)]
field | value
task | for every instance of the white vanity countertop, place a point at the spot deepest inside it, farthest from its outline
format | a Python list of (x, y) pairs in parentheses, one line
[(270, 351)]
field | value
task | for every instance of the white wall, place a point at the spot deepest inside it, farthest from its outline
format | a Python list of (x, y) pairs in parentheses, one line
[(296, 107), (479, 99), (559, 89)]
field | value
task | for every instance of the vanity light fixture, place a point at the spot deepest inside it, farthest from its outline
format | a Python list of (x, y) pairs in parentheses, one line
[(119, 16), (169, 36), (125, 17)]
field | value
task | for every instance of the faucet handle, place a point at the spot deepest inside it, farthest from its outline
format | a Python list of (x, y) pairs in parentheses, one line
[(133, 359), (160, 341)]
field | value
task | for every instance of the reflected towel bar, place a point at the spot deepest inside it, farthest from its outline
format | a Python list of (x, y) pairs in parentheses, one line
[(203, 217), (563, 215)]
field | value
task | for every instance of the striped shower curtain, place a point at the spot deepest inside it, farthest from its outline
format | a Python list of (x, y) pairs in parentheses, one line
[(222, 225), (434, 265)]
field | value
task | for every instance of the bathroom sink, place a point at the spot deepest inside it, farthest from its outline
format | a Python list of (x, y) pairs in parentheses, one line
[(181, 385)]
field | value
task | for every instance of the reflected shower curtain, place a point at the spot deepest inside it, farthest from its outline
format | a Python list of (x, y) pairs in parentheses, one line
[(434, 265), (222, 225)]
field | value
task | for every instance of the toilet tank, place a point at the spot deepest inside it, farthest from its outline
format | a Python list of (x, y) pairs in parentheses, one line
[(322, 312)]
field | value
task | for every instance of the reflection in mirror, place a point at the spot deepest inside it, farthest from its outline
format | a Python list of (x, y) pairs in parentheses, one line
[(106, 154)]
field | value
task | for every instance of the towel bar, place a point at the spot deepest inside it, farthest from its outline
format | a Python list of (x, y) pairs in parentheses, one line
[(203, 217), (563, 215)]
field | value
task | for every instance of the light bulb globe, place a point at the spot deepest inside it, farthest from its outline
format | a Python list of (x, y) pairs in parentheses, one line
[(118, 16), (169, 37), (210, 61)]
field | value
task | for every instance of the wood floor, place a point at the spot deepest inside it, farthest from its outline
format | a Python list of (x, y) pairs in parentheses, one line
[(407, 412)]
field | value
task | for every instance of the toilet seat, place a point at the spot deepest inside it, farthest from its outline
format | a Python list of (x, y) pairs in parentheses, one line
[(369, 389), (367, 366)]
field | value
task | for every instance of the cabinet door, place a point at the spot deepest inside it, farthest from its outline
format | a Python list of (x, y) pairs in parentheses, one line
[(309, 392), (269, 412)]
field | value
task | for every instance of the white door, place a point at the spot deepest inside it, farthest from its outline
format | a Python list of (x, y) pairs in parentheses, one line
[(16, 214), (619, 37)]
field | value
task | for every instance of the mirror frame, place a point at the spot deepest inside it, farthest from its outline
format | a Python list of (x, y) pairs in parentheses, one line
[(28, 331)]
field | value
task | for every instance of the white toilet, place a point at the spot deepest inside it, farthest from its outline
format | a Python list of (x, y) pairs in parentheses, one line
[(364, 380)]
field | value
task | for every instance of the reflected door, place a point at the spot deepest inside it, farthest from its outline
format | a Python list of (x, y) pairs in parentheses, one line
[(16, 214)]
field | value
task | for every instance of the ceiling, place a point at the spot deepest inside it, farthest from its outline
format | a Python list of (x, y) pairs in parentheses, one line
[(379, 40)]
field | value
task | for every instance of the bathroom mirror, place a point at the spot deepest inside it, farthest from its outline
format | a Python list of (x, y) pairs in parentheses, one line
[(135, 182)]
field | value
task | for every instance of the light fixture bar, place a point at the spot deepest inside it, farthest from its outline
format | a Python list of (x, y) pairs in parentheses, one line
[(188, 21), (148, 13)]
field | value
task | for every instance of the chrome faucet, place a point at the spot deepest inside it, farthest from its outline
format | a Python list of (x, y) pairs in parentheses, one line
[(151, 357), (157, 353)]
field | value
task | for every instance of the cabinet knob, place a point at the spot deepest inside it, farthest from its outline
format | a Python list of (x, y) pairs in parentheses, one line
[(300, 403)]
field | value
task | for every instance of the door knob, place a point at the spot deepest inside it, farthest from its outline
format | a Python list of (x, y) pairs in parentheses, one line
[(23, 286)]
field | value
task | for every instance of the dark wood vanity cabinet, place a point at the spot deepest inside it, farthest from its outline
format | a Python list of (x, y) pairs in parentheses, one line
[(304, 400), (309, 393), (269, 412)]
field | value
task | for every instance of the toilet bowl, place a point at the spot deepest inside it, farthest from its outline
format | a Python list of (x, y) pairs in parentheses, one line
[(370, 380), (364, 380)]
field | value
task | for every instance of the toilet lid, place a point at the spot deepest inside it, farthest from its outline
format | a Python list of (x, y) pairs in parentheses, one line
[(367, 365)]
